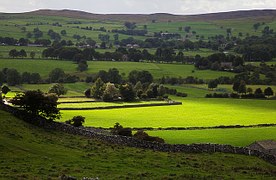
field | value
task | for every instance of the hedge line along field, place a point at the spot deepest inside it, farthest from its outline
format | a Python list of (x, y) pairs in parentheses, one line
[(44, 67), (28, 152), (233, 136), (4, 51)]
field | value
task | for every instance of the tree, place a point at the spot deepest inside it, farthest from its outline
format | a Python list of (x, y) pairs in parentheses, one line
[(87, 93), (249, 90), (76, 121), (82, 66), (114, 76), (268, 92), (58, 89), (22, 53), (142, 76), (236, 86), (120, 130), (13, 53), (242, 87), (32, 54), (56, 75), (5, 90), (98, 89), (110, 93), (259, 93), (127, 92), (63, 32), (212, 84), (38, 103), (13, 77)]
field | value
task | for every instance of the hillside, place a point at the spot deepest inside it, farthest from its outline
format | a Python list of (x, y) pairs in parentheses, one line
[(159, 17), (28, 152)]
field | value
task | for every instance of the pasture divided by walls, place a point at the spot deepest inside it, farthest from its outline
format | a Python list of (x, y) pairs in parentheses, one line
[(133, 142)]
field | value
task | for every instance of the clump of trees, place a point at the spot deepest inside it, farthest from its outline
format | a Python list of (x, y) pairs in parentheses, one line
[(38, 103), (58, 89), (120, 130)]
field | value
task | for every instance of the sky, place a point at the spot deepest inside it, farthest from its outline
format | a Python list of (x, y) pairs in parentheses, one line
[(138, 6)]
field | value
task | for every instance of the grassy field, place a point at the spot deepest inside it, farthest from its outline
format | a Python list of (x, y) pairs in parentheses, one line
[(194, 112), (28, 152), (235, 137), (44, 67)]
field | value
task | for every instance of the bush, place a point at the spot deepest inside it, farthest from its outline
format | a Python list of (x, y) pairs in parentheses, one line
[(144, 136), (77, 121), (120, 130)]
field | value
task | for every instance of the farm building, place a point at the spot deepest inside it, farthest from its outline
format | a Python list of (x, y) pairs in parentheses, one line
[(267, 146)]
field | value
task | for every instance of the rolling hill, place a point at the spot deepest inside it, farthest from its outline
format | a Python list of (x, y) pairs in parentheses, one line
[(159, 17)]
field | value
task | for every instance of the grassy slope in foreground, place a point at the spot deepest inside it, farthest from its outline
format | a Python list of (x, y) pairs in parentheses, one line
[(29, 152)]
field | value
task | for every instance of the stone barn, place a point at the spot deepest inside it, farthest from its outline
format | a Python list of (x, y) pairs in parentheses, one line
[(266, 146)]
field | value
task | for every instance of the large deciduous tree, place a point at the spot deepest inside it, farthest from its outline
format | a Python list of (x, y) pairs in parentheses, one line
[(38, 103), (58, 89)]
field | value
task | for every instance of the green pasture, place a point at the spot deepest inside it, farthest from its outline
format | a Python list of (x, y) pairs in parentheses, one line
[(158, 70), (195, 112), (44, 67), (29, 152), (4, 51), (235, 136)]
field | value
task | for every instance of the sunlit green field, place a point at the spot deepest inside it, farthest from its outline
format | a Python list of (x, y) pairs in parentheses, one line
[(236, 137), (194, 112)]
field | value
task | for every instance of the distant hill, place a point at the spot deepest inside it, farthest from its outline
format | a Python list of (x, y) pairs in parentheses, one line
[(159, 17)]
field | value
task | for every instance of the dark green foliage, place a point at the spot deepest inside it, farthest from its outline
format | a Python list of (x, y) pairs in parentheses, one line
[(58, 89), (142, 76), (212, 84), (259, 93), (5, 89), (56, 75), (268, 92), (120, 130), (87, 93), (127, 92), (110, 93), (13, 53), (98, 89), (144, 136), (82, 66), (13, 77), (32, 54), (38, 103), (76, 121), (242, 87)]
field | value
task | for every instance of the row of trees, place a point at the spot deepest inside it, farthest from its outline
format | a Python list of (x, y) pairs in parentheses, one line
[(12, 77)]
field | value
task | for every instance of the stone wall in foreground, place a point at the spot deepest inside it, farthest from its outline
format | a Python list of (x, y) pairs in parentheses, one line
[(133, 142)]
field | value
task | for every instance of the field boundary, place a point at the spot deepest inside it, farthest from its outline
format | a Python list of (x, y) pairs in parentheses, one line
[(200, 128), (125, 106)]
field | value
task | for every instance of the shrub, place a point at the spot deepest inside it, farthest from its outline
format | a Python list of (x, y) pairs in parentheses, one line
[(144, 136), (120, 130), (77, 121)]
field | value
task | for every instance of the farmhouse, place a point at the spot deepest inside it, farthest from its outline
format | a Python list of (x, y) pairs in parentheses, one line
[(266, 146)]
